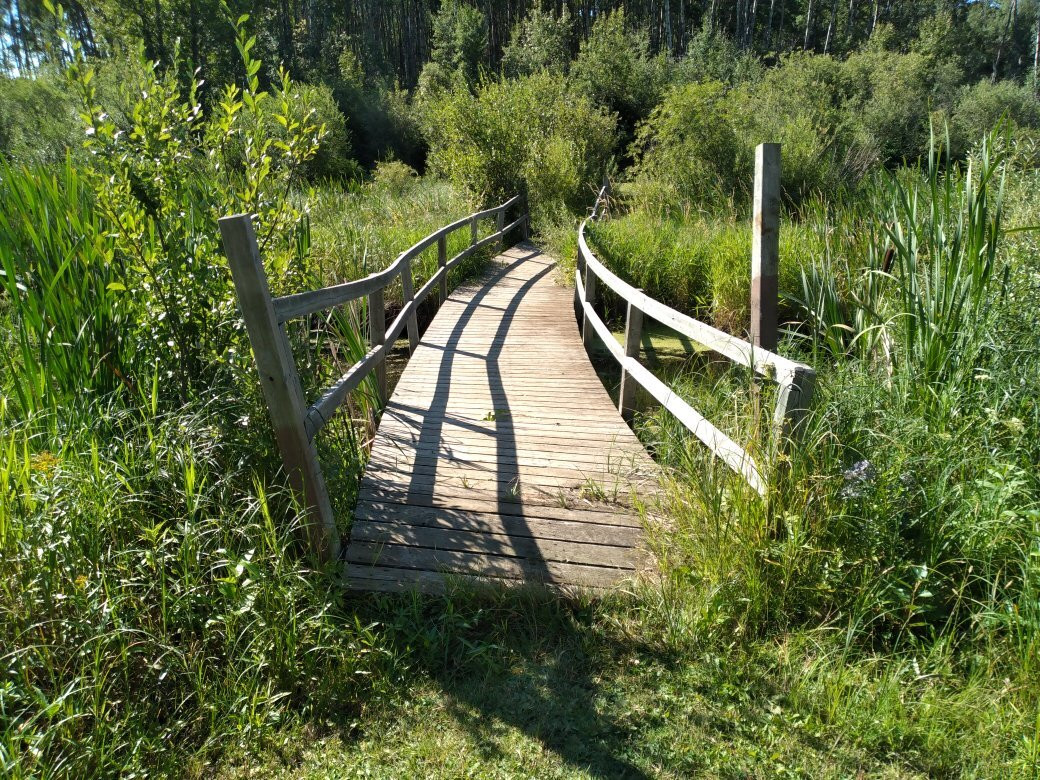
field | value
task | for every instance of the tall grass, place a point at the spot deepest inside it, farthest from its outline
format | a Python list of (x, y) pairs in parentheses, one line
[(902, 540), (62, 283)]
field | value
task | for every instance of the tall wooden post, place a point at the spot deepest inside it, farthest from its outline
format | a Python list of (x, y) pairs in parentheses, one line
[(280, 383), (377, 335), (442, 263), (765, 247), (473, 230), (500, 222), (633, 334), (407, 297), (587, 331)]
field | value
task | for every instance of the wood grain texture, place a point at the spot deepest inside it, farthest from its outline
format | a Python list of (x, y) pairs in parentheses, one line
[(500, 457)]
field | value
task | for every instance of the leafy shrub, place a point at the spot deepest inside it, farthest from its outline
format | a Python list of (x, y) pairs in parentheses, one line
[(800, 105), (711, 55), (395, 177), (981, 106), (333, 159), (529, 135), (541, 41), (38, 122), (892, 100), (161, 176), (615, 69), (689, 147)]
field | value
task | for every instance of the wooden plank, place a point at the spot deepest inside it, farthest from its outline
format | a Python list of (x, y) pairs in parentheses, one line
[(390, 580), (485, 565), (587, 512), (447, 468), (492, 495), (486, 543), (503, 524)]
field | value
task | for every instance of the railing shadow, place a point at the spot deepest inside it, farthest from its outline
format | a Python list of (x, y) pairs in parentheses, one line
[(505, 479), (525, 659)]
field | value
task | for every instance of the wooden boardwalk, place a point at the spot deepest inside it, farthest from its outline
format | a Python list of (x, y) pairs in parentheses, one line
[(500, 456)]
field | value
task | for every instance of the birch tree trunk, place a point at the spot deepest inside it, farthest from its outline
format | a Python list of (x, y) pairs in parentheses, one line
[(808, 26)]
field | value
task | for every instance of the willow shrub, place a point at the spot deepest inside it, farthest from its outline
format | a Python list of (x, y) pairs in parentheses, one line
[(526, 135), (161, 172)]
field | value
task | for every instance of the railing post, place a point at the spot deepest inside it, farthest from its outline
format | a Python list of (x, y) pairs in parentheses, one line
[(500, 222), (280, 383), (587, 331), (633, 334), (473, 229), (525, 212), (765, 247), (442, 266), (376, 336), (793, 404), (407, 297)]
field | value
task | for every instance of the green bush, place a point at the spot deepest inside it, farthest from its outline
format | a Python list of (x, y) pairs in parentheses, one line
[(981, 106), (146, 273), (542, 41), (614, 69), (688, 148), (333, 159), (530, 135), (38, 119)]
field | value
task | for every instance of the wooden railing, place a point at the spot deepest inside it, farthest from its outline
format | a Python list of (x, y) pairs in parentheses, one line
[(295, 423), (796, 380)]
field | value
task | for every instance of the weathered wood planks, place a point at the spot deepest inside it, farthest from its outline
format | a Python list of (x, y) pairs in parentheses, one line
[(500, 457)]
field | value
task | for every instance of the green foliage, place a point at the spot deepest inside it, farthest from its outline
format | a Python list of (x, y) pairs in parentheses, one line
[(892, 99), (541, 41), (459, 39), (38, 121), (711, 55), (689, 147), (530, 135), (162, 176), (154, 609), (333, 159), (615, 69), (981, 106)]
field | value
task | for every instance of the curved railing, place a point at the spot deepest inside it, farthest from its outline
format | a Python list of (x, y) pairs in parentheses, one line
[(796, 380), (296, 423)]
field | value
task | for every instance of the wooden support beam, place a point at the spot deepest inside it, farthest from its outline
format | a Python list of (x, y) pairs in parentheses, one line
[(376, 336), (500, 221), (633, 333), (407, 296), (793, 404), (765, 247), (587, 331), (280, 383), (442, 262)]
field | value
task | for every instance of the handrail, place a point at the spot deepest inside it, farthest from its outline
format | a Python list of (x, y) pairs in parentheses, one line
[(295, 423), (796, 380)]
